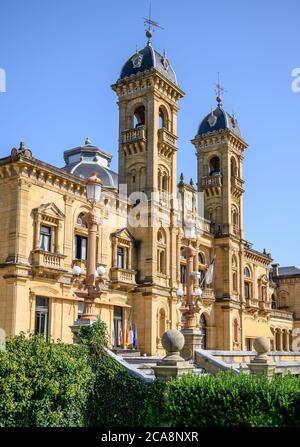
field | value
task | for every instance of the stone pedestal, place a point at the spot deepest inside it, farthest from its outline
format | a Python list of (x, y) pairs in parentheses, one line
[(172, 365), (261, 364), (192, 343), (75, 327)]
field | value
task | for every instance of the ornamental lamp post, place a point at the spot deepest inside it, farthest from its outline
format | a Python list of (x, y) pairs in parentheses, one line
[(89, 288), (189, 308)]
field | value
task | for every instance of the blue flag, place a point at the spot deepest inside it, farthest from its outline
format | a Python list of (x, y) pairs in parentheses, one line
[(135, 339)]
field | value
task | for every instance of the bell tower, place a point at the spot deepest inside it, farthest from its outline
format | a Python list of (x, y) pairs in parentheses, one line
[(148, 97), (219, 149)]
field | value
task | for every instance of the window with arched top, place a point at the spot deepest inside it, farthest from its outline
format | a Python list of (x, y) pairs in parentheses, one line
[(80, 221), (247, 272), (163, 122), (273, 302), (236, 331), (162, 322), (139, 116), (247, 283), (214, 166), (201, 258), (161, 251), (234, 273)]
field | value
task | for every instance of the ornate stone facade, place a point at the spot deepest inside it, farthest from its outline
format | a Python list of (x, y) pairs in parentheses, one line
[(140, 238)]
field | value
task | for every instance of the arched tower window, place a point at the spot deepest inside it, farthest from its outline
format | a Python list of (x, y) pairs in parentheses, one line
[(214, 166), (163, 121), (139, 116), (161, 251)]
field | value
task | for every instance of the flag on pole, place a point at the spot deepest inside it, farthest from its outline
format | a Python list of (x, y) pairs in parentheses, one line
[(120, 340), (210, 272), (130, 337), (134, 343), (127, 334)]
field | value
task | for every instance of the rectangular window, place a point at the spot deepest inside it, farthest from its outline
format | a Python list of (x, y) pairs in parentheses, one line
[(121, 258), (42, 316), (45, 238), (80, 248), (248, 344), (183, 274)]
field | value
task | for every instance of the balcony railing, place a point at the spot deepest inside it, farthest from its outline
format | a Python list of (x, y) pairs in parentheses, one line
[(211, 181), (131, 135), (276, 313), (164, 136), (208, 295), (46, 260), (122, 277), (237, 182)]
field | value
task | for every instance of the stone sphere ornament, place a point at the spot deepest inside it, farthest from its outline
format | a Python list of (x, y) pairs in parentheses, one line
[(261, 345), (172, 340)]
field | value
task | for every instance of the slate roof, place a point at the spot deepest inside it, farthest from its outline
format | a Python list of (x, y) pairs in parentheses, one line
[(218, 120), (149, 58)]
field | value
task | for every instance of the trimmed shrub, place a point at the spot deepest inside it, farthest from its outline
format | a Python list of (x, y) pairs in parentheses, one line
[(44, 383), (225, 400)]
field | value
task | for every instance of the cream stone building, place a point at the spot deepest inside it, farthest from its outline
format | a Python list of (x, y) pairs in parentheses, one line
[(140, 237)]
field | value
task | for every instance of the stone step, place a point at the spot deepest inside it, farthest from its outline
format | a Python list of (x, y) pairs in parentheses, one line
[(127, 352), (141, 360)]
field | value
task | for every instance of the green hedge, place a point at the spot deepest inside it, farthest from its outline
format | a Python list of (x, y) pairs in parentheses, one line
[(53, 384), (44, 384), (117, 398), (225, 400)]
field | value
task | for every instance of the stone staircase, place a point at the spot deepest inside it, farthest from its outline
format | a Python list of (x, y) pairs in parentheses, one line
[(144, 364)]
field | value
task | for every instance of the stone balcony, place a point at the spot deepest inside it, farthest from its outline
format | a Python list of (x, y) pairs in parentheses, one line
[(47, 262), (208, 296), (237, 186), (283, 314), (134, 140), (166, 137), (211, 184), (122, 278)]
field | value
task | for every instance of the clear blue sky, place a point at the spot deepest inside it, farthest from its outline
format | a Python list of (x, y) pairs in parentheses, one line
[(61, 56)]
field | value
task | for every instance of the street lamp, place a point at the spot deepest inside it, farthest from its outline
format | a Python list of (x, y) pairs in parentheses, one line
[(88, 288), (189, 308)]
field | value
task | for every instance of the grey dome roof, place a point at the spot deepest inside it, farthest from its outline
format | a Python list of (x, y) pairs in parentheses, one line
[(83, 160), (218, 120), (84, 170), (146, 59)]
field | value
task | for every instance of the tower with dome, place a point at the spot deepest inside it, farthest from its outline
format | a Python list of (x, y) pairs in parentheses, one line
[(141, 241)]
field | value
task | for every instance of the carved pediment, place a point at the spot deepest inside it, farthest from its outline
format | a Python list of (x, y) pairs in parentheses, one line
[(50, 210), (124, 234)]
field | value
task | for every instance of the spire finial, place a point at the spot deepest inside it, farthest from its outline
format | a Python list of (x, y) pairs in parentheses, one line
[(151, 25), (219, 91)]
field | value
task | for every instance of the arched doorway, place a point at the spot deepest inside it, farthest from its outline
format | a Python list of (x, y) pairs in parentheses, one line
[(203, 329)]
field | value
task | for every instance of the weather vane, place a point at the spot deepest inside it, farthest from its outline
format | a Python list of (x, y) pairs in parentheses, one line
[(219, 90), (151, 25)]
